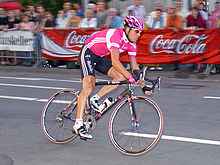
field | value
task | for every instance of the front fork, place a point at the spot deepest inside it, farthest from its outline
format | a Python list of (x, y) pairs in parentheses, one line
[(134, 119)]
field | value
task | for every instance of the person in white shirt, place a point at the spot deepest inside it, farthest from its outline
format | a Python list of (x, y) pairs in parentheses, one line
[(152, 14), (202, 11), (89, 21), (61, 19), (67, 6), (138, 10), (159, 21)]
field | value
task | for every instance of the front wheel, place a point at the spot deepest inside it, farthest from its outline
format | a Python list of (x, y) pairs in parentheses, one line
[(59, 115), (139, 137)]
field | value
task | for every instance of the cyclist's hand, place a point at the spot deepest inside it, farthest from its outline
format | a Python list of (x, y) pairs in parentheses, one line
[(133, 79), (147, 90)]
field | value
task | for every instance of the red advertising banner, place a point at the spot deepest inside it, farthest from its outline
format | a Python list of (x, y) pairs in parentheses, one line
[(153, 47)]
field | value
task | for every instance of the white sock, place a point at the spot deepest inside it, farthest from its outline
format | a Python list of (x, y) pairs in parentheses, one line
[(79, 123)]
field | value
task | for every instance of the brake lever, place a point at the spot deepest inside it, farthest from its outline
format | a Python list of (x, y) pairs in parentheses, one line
[(143, 72), (159, 82)]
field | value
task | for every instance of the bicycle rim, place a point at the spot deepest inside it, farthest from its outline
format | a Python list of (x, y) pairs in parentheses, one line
[(138, 140), (57, 126)]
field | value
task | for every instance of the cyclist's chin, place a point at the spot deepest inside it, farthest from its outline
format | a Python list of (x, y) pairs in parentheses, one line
[(135, 40)]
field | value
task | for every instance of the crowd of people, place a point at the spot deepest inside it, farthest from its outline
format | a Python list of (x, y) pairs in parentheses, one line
[(98, 15)]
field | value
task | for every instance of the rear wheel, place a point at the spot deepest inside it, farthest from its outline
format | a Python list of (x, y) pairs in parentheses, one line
[(139, 138), (58, 116)]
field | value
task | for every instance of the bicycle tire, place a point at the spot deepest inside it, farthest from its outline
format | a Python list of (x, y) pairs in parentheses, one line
[(56, 127), (128, 140)]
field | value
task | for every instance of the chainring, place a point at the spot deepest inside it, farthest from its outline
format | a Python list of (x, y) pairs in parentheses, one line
[(89, 123)]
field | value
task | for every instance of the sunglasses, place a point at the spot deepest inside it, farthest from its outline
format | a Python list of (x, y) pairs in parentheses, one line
[(137, 31)]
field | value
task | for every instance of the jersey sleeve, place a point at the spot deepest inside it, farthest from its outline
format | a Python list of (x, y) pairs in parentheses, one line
[(132, 51), (113, 39)]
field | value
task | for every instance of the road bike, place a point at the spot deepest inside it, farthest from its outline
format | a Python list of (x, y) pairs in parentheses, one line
[(135, 126)]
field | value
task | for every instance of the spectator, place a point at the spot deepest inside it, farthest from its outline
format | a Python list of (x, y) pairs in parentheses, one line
[(40, 16), (196, 22), (18, 14), (61, 19), (67, 6), (113, 20), (158, 22), (27, 12), (91, 6), (74, 21), (174, 21), (182, 12), (49, 22), (101, 13), (3, 18), (26, 25), (89, 21), (3, 24), (157, 6), (152, 15), (137, 8), (203, 11), (79, 10), (215, 15), (32, 11), (12, 24)]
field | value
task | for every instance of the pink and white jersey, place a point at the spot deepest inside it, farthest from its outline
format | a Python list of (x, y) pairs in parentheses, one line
[(102, 42)]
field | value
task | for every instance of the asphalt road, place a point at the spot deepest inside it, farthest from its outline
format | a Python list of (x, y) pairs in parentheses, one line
[(190, 108)]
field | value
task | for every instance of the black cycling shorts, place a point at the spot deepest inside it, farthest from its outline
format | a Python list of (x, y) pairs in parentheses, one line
[(89, 62)]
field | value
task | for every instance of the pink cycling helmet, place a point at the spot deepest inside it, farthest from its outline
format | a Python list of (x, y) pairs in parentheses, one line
[(134, 22)]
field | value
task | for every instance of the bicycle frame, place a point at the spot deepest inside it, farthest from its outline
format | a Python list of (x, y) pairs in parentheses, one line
[(128, 91)]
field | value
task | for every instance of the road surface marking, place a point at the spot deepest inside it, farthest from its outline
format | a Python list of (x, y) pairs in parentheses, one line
[(211, 97), (78, 80), (31, 86), (174, 138), (33, 99), (38, 79)]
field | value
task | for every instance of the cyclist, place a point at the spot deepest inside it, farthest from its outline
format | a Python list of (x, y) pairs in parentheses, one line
[(92, 57)]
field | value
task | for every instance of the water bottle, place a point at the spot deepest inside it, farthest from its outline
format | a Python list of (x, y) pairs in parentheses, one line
[(105, 103)]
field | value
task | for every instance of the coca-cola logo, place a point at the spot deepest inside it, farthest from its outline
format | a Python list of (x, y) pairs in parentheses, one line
[(179, 46), (74, 40)]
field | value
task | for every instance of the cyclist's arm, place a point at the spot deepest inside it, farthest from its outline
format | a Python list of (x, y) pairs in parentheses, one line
[(117, 64), (134, 65)]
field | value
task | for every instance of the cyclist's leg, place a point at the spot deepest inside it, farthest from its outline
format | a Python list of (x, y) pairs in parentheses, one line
[(88, 86), (86, 62), (109, 88)]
